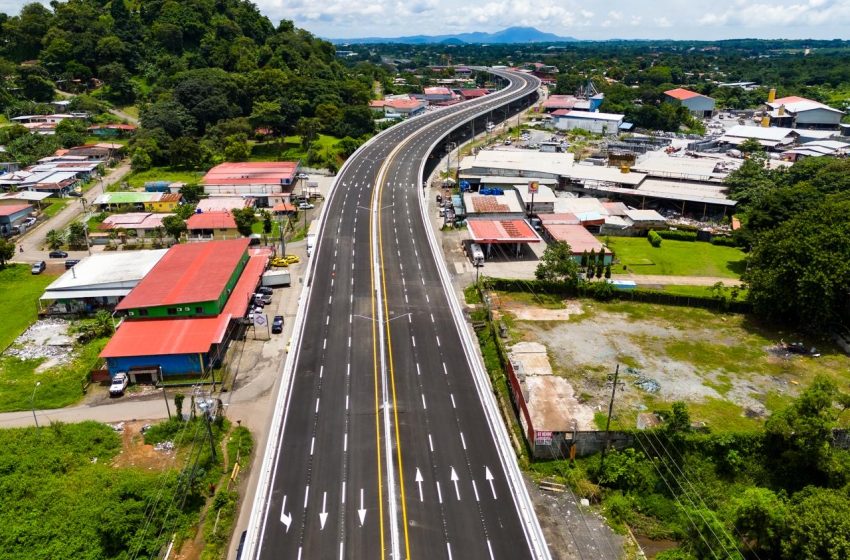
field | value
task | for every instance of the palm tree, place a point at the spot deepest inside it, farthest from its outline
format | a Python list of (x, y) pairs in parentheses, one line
[(55, 239)]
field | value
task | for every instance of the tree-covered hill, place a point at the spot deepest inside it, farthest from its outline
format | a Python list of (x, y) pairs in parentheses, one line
[(190, 66)]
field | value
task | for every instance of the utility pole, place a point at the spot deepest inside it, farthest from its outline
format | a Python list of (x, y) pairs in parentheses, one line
[(165, 396), (209, 431), (610, 412)]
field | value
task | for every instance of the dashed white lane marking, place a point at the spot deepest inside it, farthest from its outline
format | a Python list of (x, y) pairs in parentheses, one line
[(462, 439), (430, 443), (312, 444), (317, 405), (425, 406)]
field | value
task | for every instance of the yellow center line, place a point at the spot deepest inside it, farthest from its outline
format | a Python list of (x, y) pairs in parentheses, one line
[(377, 400), (392, 370)]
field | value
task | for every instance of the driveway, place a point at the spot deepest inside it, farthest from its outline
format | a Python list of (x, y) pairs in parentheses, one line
[(33, 241)]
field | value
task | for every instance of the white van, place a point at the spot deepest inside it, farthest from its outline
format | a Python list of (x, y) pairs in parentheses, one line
[(476, 254)]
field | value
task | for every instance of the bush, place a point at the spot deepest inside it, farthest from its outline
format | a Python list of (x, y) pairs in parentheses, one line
[(677, 234), (653, 238), (724, 241)]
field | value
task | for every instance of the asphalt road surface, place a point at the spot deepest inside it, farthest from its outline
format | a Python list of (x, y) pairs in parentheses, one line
[(385, 447)]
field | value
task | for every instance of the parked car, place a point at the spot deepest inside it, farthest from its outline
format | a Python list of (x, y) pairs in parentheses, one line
[(57, 255), (265, 290), (305, 206), (258, 301), (264, 298), (38, 267), (302, 176), (29, 221), (277, 324), (70, 263), (119, 384)]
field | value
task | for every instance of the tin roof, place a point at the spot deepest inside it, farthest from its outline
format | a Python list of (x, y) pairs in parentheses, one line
[(188, 273), (501, 231), (162, 337)]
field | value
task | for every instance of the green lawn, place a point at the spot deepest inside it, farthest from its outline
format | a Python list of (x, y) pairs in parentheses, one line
[(54, 206), (698, 291), (137, 179), (18, 306), (60, 385), (676, 258), (290, 150), (258, 228)]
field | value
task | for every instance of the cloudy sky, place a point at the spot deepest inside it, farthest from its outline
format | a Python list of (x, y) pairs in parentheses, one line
[(604, 19)]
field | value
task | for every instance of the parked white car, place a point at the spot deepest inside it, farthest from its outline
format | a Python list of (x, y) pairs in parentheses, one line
[(119, 384)]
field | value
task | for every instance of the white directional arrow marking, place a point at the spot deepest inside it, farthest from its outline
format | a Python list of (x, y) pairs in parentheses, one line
[(419, 481), (362, 511), (324, 515), (455, 478), (285, 518), (489, 476)]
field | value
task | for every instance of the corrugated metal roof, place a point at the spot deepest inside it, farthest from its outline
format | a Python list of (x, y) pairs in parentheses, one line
[(211, 220), (251, 173), (501, 231), (162, 337), (578, 238), (188, 273)]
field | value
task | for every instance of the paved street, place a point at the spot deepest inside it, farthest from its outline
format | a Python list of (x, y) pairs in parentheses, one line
[(33, 241)]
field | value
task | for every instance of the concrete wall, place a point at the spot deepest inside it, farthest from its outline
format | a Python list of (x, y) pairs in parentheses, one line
[(587, 443)]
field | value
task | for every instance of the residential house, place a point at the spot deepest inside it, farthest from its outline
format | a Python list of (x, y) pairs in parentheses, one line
[(212, 225), (167, 202), (142, 224)]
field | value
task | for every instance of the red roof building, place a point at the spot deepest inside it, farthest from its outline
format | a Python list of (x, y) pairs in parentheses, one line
[(501, 231), (189, 276), (578, 238), (681, 93), (10, 209), (473, 93), (251, 178), (211, 220), (163, 337)]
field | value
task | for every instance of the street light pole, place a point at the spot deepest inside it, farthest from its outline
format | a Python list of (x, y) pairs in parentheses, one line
[(32, 402)]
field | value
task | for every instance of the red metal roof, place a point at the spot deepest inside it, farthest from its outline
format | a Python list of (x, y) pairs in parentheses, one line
[(9, 209), (237, 303), (501, 231), (211, 220), (188, 273), (160, 337), (473, 93), (791, 99), (283, 207), (251, 173), (578, 238), (562, 218), (681, 93)]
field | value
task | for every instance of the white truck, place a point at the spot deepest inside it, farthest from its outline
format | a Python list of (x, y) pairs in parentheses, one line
[(275, 278), (312, 237)]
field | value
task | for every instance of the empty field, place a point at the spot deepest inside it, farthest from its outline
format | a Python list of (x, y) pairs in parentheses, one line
[(676, 258), (727, 367)]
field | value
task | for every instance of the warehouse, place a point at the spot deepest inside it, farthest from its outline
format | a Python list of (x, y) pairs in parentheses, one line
[(181, 317), (772, 138), (577, 237), (98, 282), (699, 105), (598, 123), (260, 180), (11, 215), (799, 112)]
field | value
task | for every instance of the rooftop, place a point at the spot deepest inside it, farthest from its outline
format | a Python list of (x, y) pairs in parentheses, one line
[(133, 220), (502, 231), (795, 104), (490, 204), (188, 273), (114, 269), (223, 203), (162, 337), (681, 94), (251, 173), (211, 220), (127, 197), (585, 115), (578, 238), (237, 303), (9, 209), (543, 194)]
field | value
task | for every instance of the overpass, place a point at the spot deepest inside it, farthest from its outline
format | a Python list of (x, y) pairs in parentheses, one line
[(386, 441)]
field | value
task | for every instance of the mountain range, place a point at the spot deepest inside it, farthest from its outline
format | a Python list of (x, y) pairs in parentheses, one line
[(505, 36)]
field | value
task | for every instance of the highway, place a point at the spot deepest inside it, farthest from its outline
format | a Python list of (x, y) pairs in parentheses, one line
[(387, 443)]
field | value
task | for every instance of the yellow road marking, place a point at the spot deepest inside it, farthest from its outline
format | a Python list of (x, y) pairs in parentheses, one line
[(377, 400)]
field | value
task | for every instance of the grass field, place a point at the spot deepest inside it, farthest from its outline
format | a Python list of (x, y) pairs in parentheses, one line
[(60, 386), (676, 258), (54, 205), (290, 150), (698, 291), (137, 179), (18, 306), (728, 367)]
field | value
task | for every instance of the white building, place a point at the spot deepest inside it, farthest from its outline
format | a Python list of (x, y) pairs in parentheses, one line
[(770, 137), (799, 112), (598, 123), (544, 198), (699, 105), (99, 281)]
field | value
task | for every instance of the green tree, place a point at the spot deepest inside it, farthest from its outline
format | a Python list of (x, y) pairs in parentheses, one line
[(818, 526), (799, 271), (244, 218), (185, 153), (55, 239), (71, 132), (236, 148), (799, 437), (76, 236), (750, 146), (557, 264), (759, 517), (267, 222), (175, 226), (308, 129), (141, 160), (7, 252), (178, 405), (607, 271), (267, 114), (192, 192)]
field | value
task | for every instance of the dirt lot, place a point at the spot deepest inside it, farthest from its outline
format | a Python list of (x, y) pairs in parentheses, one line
[(135, 453), (730, 370)]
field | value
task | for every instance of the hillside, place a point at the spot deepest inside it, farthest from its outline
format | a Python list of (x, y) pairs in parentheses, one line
[(203, 74)]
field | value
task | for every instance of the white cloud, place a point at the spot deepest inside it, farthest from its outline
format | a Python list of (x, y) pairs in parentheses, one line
[(809, 13), (663, 22)]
